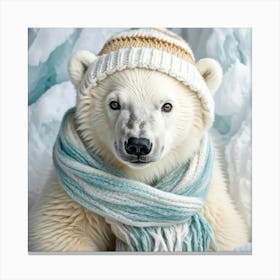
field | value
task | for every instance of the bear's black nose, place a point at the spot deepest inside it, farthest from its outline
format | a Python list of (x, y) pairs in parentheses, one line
[(138, 146)]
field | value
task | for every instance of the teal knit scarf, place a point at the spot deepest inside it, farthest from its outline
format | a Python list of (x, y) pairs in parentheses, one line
[(163, 217)]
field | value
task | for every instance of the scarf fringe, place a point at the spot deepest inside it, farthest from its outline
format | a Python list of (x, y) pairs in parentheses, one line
[(193, 237)]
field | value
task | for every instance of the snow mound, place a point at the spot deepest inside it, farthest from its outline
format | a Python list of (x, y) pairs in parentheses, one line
[(44, 119), (238, 154)]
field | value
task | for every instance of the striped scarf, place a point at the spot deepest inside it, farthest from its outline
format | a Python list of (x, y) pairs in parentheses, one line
[(162, 217)]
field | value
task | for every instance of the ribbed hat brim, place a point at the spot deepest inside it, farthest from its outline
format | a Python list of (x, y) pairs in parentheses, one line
[(153, 59)]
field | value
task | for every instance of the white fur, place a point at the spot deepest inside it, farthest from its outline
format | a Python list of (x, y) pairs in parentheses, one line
[(78, 64), (59, 224), (212, 73), (146, 91)]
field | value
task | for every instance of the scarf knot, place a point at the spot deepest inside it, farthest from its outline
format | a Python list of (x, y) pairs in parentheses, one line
[(163, 217)]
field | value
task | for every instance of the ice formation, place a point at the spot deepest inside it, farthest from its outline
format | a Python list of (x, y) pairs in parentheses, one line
[(51, 94), (49, 65), (44, 43)]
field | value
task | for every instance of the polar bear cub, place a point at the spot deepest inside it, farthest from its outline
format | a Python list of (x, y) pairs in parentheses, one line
[(168, 119)]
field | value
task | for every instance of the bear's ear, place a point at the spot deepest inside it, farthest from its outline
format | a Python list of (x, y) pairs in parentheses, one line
[(211, 72), (78, 66)]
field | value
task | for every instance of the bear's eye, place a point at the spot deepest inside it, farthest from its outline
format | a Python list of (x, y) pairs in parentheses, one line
[(166, 107), (115, 105)]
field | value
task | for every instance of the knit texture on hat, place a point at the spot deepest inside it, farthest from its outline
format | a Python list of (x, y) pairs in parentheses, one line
[(150, 38), (153, 49)]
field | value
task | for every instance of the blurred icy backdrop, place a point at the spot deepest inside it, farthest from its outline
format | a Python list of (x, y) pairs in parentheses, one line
[(51, 94)]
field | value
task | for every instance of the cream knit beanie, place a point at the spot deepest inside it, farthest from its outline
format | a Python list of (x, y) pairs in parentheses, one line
[(154, 49)]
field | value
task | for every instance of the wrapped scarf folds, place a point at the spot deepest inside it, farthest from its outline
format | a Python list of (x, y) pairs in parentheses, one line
[(163, 217)]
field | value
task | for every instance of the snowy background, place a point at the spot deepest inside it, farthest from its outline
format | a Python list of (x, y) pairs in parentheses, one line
[(50, 94)]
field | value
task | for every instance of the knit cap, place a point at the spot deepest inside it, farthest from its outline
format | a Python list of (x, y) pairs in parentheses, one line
[(155, 49)]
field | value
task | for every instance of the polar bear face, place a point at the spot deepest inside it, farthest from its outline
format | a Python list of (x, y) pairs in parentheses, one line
[(139, 119), (141, 112)]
